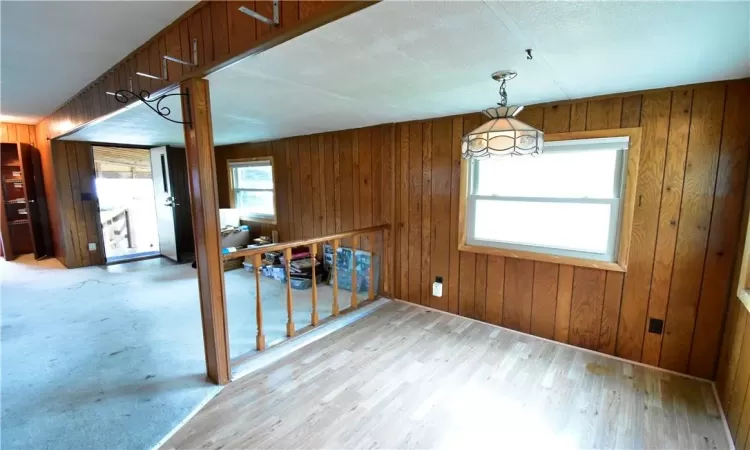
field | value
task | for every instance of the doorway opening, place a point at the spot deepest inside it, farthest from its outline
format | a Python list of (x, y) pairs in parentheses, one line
[(127, 209)]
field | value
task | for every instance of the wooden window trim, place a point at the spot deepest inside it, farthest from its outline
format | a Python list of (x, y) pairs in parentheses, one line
[(254, 218), (626, 218)]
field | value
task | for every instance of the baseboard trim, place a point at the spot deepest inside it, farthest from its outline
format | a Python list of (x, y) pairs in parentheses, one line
[(607, 355), (723, 417)]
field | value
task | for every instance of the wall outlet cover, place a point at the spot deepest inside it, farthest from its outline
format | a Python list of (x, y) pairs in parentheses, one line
[(92, 246), (437, 289), (655, 326)]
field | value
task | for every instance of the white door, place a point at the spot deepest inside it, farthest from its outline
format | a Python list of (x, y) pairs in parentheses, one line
[(164, 202)]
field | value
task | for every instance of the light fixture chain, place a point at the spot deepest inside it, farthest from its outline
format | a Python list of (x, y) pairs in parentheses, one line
[(503, 95)]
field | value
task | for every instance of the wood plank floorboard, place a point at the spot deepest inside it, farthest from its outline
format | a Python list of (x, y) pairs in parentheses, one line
[(408, 377)]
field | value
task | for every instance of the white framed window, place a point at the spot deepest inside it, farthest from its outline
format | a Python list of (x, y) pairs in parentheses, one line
[(251, 188), (566, 202)]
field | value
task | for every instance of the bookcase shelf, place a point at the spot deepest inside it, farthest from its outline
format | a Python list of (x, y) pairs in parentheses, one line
[(23, 213)]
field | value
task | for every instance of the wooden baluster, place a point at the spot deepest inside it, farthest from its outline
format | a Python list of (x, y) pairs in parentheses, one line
[(371, 284), (353, 268), (335, 308), (260, 338), (388, 273), (289, 309), (314, 317)]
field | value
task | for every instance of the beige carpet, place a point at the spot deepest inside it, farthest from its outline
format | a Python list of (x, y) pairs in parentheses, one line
[(113, 357)]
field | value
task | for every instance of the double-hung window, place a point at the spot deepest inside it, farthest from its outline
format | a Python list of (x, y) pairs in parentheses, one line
[(252, 188), (567, 203)]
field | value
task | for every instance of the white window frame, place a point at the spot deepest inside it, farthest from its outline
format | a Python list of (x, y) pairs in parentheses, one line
[(620, 242), (618, 144), (249, 162)]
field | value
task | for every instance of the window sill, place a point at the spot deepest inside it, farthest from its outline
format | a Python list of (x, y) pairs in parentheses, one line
[(264, 220), (543, 257)]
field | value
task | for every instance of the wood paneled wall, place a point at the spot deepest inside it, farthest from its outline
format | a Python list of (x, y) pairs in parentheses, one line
[(17, 132), (733, 375), (44, 145), (689, 200), (78, 209), (325, 183), (690, 192)]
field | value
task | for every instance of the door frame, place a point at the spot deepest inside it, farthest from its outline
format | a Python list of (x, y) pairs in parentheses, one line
[(99, 230)]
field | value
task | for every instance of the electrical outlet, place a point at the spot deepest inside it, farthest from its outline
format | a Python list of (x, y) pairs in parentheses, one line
[(92, 246), (437, 287), (655, 326)]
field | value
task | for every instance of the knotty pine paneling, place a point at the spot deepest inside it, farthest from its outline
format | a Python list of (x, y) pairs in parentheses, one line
[(690, 192), (53, 201), (16, 132)]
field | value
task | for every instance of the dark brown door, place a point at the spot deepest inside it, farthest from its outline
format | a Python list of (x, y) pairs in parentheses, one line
[(35, 201), (178, 176)]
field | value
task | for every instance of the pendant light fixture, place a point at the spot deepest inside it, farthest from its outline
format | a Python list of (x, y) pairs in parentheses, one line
[(503, 134)]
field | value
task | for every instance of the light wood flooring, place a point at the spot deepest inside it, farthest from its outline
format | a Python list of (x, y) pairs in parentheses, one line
[(408, 377)]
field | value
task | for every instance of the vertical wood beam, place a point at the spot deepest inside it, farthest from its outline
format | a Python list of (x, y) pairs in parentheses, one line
[(204, 204), (289, 306), (371, 283), (314, 316), (353, 268), (334, 267), (260, 338)]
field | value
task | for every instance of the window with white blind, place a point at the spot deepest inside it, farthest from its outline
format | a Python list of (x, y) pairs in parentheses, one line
[(251, 187), (566, 202)]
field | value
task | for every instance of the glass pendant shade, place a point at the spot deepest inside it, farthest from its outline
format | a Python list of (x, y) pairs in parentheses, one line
[(502, 135)]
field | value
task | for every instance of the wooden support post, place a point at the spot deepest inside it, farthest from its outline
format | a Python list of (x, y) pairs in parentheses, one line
[(353, 268), (260, 338), (289, 307), (335, 308), (371, 281), (204, 203), (314, 317)]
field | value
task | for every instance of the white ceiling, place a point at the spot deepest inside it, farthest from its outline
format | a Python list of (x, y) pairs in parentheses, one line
[(50, 50), (398, 61)]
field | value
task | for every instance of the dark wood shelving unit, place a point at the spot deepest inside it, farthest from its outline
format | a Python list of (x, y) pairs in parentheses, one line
[(24, 225)]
